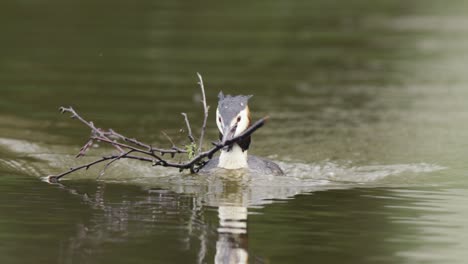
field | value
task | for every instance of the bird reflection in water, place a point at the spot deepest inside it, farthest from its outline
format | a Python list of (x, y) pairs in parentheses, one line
[(232, 243), (123, 213)]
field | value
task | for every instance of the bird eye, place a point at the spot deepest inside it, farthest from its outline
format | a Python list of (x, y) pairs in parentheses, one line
[(219, 119), (238, 119)]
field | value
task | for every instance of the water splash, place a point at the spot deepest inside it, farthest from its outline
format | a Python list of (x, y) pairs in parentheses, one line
[(228, 188), (347, 172)]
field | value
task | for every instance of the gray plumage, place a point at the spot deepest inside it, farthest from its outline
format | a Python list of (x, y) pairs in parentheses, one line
[(256, 165), (229, 110)]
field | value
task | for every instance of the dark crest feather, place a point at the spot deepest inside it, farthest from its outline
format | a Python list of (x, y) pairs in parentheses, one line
[(229, 106)]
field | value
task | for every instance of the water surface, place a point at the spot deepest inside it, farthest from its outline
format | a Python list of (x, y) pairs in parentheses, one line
[(368, 119)]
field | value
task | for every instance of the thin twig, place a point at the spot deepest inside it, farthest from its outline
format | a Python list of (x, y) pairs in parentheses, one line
[(111, 133), (85, 148), (56, 178), (173, 150), (134, 149), (189, 129), (168, 138), (90, 124), (174, 147), (205, 111), (123, 155)]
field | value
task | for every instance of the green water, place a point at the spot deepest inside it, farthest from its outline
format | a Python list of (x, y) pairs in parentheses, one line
[(368, 107)]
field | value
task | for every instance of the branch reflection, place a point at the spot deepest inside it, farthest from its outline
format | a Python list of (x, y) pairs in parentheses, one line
[(205, 219)]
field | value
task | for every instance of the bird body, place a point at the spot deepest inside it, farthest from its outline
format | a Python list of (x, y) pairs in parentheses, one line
[(233, 118)]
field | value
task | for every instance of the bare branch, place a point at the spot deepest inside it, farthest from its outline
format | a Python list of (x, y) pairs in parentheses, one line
[(205, 111), (194, 165), (111, 133), (146, 152)]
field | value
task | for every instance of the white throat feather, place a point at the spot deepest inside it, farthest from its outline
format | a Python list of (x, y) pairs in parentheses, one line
[(235, 158)]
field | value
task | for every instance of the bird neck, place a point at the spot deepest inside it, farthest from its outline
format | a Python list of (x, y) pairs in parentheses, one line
[(234, 158)]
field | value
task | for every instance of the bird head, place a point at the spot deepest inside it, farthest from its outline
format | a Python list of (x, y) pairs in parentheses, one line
[(232, 115)]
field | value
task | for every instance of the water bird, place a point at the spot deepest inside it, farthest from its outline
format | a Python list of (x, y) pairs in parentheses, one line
[(233, 118)]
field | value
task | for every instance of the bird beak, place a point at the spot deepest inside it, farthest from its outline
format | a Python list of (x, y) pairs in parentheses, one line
[(228, 133)]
